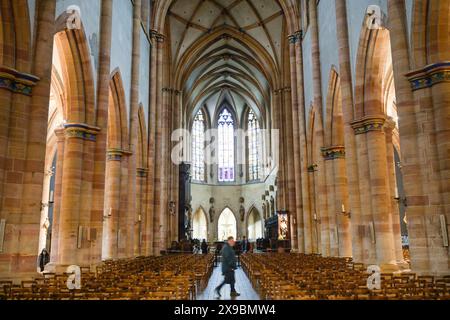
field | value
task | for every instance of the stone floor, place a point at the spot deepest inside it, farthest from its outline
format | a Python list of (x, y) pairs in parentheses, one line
[(243, 286)]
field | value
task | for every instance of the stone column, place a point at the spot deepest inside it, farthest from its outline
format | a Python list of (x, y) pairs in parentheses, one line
[(293, 39), (289, 162), (141, 196), (150, 233), (372, 129), (24, 100), (103, 81), (394, 205), (365, 231), (306, 200), (336, 155), (145, 12), (316, 72), (159, 157), (111, 214), (60, 140), (358, 230), (278, 114), (332, 214), (74, 224), (132, 215), (411, 135)]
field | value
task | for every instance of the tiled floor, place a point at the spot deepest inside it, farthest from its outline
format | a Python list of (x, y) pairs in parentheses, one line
[(243, 286)]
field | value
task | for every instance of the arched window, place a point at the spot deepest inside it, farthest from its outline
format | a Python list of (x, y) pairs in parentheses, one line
[(226, 146), (198, 143), (254, 145)]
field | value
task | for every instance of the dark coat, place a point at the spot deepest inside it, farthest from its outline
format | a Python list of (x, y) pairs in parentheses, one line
[(245, 245), (44, 258), (204, 248), (229, 262)]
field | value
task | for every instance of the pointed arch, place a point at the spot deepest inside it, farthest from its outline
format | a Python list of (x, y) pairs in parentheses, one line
[(222, 104), (77, 70), (200, 224), (15, 35), (142, 149), (117, 115), (254, 224), (373, 53), (430, 32), (227, 224), (226, 153), (198, 156), (334, 123)]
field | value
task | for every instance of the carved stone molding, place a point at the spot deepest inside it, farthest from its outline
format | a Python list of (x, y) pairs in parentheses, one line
[(429, 76), (333, 152), (16, 81), (116, 154), (142, 172), (81, 131), (154, 34), (295, 37), (367, 124)]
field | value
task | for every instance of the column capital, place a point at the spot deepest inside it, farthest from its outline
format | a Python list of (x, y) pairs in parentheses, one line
[(295, 37), (17, 82), (430, 75), (370, 123), (81, 131), (278, 91), (60, 134), (159, 37), (390, 124), (333, 152), (116, 154), (142, 172)]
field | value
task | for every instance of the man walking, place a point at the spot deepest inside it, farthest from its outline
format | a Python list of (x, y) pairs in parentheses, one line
[(228, 266)]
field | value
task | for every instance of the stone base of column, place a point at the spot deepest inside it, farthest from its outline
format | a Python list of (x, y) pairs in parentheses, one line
[(389, 268)]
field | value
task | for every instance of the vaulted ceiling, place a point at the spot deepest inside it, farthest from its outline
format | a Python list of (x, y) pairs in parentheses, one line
[(226, 50)]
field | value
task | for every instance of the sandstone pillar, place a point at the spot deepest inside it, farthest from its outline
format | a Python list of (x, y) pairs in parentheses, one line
[(358, 230)]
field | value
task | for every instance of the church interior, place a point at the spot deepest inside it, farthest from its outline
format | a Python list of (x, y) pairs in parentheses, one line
[(138, 136)]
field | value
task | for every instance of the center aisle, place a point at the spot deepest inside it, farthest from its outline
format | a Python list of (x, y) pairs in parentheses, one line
[(243, 286)]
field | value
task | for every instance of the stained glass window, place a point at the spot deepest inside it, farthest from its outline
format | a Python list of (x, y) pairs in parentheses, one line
[(198, 143), (226, 146), (254, 139)]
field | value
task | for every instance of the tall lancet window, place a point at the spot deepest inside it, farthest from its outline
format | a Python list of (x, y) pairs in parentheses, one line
[(198, 146), (254, 146), (226, 146)]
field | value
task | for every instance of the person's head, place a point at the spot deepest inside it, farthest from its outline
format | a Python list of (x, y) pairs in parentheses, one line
[(244, 238), (231, 241)]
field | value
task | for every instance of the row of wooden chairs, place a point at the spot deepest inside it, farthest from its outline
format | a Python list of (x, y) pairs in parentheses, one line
[(169, 277), (284, 276)]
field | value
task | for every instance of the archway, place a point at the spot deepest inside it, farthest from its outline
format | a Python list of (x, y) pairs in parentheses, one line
[(254, 225), (200, 225), (227, 225), (57, 116)]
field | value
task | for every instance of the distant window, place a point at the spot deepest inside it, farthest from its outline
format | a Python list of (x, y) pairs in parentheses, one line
[(254, 145), (226, 146), (198, 142)]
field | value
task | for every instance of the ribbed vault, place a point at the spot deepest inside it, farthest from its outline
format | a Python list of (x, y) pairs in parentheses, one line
[(226, 50)]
